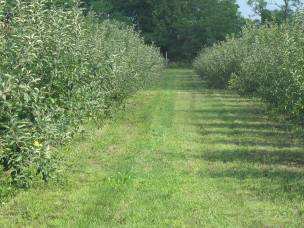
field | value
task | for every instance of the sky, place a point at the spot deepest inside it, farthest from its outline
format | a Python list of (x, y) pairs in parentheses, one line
[(246, 10)]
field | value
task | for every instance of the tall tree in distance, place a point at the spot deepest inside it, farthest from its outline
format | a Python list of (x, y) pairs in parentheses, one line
[(260, 9), (289, 6), (178, 27), (285, 9), (258, 6)]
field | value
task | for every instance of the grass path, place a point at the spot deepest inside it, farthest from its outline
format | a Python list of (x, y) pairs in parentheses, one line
[(179, 155)]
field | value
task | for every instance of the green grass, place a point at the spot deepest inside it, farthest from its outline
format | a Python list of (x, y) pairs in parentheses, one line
[(178, 155)]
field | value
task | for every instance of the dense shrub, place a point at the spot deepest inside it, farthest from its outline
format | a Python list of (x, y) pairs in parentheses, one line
[(266, 62), (57, 69), (216, 64)]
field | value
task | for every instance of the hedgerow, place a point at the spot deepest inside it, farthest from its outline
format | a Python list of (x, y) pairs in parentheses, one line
[(58, 69), (265, 62)]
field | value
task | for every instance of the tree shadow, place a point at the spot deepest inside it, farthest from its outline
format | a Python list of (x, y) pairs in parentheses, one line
[(267, 183), (251, 137), (239, 133), (186, 81), (288, 156)]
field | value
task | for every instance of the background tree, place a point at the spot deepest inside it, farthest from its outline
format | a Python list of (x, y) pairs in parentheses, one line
[(178, 27), (284, 10), (289, 6), (258, 6)]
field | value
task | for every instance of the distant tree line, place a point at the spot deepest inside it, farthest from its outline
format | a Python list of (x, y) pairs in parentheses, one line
[(282, 12), (179, 27)]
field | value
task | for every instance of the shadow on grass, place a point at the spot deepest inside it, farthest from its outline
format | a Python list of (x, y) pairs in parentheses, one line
[(248, 136), (236, 131)]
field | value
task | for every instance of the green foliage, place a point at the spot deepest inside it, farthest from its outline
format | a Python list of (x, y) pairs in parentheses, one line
[(216, 64), (58, 69), (285, 10), (266, 62), (179, 27)]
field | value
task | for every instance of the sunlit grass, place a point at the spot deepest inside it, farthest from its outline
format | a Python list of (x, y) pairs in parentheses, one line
[(178, 155)]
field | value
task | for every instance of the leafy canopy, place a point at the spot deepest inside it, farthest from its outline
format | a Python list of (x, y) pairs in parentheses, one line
[(179, 27)]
